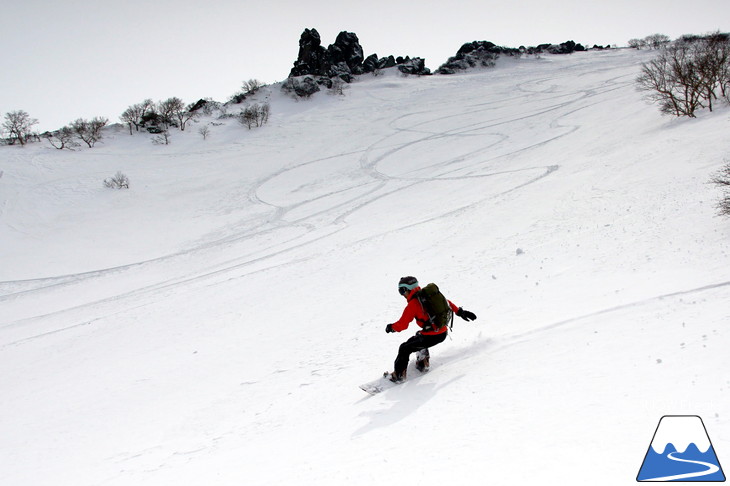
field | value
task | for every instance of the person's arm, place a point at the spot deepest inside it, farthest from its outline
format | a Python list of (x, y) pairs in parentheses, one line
[(409, 313)]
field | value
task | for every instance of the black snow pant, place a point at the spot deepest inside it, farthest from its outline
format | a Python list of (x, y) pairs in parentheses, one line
[(414, 344)]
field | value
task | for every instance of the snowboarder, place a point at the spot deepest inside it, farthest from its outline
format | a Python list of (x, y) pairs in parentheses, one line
[(427, 337)]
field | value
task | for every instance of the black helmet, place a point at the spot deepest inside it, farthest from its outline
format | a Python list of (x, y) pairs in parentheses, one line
[(407, 284)]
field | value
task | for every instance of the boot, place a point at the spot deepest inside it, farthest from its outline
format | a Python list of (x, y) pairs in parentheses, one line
[(398, 378), (423, 361)]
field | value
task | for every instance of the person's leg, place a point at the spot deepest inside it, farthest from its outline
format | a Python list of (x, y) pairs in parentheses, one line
[(416, 343), (413, 344)]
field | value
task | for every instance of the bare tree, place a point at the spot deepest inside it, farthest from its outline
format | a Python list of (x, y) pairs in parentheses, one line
[(204, 131), (131, 117), (174, 112), (656, 80), (185, 115), (135, 114), (90, 131), (673, 80), (62, 138), (167, 108), (713, 64), (18, 124)]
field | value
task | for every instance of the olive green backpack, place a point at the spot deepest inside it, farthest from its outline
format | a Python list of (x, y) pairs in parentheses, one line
[(436, 307)]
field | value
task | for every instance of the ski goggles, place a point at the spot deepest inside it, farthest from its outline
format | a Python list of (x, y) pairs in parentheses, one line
[(403, 289)]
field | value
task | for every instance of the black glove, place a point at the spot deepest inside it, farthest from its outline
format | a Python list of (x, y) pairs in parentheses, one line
[(466, 315), (389, 328)]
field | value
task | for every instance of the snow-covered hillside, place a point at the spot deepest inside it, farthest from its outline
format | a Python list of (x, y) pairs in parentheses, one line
[(210, 325)]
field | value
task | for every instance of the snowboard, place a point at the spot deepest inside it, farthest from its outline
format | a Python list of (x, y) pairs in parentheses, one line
[(381, 384)]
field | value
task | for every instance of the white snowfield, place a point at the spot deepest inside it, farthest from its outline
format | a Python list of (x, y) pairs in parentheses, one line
[(211, 325)]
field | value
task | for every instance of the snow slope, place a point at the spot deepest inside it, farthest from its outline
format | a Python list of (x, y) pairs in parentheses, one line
[(211, 324)]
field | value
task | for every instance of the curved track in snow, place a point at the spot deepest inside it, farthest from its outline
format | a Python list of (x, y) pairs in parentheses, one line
[(293, 224)]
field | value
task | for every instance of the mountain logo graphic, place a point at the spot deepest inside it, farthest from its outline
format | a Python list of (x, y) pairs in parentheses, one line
[(681, 451)]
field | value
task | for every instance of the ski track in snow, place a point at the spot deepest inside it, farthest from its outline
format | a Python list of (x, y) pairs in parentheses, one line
[(515, 339), (378, 188), (380, 181)]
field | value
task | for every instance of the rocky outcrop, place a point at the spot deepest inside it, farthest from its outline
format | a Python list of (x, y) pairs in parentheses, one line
[(344, 59), (567, 47), (319, 66), (485, 54), (475, 54)]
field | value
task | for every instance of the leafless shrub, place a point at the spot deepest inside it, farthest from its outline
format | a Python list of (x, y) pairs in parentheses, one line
[(119, 181), (657, 41), (252, 86), (637, 43), (256, 115), (722, 179), (654, 41)]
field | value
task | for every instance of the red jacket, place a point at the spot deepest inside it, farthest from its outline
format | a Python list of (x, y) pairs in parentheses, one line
[(414, 310)]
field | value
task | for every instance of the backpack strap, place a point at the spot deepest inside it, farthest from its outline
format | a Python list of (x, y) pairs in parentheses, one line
[(426, 324)]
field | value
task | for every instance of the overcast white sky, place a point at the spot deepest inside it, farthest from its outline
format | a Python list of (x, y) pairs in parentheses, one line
[(82, 58)]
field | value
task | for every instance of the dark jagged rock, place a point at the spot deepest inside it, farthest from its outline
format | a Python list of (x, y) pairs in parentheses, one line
[(415, 66), (386, 62), (370, 64), (343, 71), (312, 56), (344, 59), (346, 49), (198, 105), (302, 86)]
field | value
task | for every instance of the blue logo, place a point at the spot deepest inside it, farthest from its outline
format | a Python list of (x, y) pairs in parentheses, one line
[(681, 451)]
